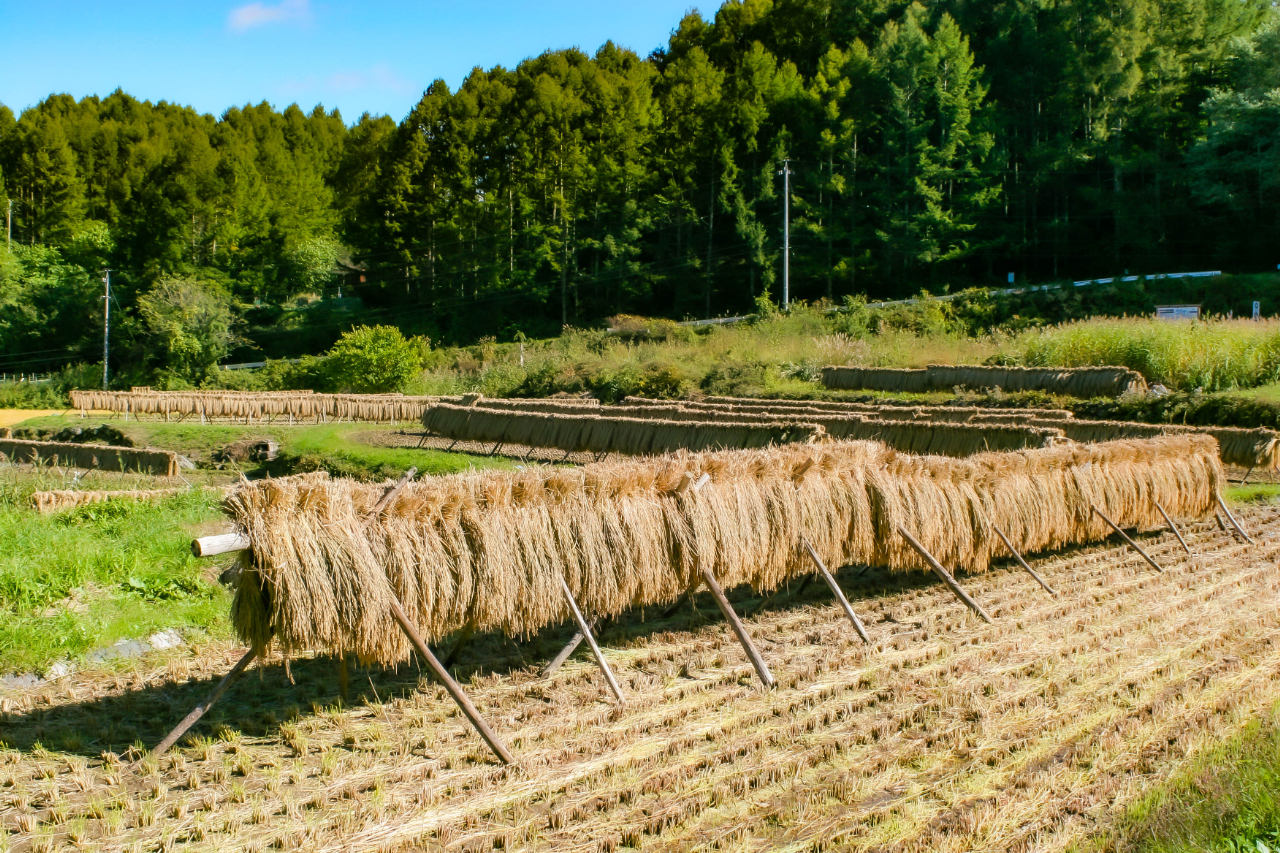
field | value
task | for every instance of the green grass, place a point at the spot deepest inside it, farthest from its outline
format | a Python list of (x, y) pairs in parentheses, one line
[(330, 447), (1253, 493), (83, 579), (1226, 799)]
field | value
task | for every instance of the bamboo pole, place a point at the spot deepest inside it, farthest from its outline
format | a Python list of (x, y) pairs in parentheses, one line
[(389, 496), (490, 737), (762, 669), (1172, 527), (585, 630), (200, 710), (944, 575), (1233, 521), (1022, 562), (835, 588), (1125, 537)]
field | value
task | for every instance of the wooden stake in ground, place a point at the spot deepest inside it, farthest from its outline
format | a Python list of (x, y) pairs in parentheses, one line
[(1125, 537), (762, 669), (585, 630), (490, 737), (1233, 521), (575, 641), (1022, 562), (944, 575), (1172, 526), (203, 708), (835, 588)]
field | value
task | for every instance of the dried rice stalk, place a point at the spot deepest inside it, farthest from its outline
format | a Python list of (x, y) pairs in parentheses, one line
[(137, 460), (488, 547), (1072, 381)]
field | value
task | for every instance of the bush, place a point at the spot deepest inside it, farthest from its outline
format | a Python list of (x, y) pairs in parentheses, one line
[(374, 360)]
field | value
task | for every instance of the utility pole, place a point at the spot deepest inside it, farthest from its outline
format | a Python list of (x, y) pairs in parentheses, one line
[(106, 324), (786, 233)]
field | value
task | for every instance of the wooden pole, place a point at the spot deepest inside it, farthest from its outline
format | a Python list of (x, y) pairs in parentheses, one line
[(1247, 473), (463, 639), (944, 575), (762, 669), (557, 661), (835, 588), (684, 596), (201, 709), (1022, 562), (585, 630), (490, 737), (1232, 519), (389, 496), (1125, 537), (1172, 527)]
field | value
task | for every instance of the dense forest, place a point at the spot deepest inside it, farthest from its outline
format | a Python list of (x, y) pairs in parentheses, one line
[(929, 144)]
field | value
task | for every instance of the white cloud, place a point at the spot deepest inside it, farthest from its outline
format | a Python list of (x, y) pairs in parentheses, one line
[(256, 14)]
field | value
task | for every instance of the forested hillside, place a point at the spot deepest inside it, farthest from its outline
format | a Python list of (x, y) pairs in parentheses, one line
[(931, 144)]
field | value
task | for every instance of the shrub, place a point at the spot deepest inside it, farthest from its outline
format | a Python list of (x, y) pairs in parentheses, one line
[(373, 360)]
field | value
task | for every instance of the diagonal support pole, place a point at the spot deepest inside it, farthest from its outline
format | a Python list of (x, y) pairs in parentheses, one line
[(1125, 537), (684, 596), (1173, 527), (944, 575), (203, 708), (585, 630), (762, 669), (1022, 562), (1232, 519), (490, 737), (570, 647), (463, 639), (835, 588)]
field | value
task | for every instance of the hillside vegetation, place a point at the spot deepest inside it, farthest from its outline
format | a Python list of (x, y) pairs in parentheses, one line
[(930, 143)]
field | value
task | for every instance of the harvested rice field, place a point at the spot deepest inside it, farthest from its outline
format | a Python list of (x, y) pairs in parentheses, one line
[(946, 734)]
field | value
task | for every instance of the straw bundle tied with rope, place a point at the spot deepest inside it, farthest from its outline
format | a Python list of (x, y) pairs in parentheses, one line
[(137, 460), (1070, 381), (601, 433), (488, 549)]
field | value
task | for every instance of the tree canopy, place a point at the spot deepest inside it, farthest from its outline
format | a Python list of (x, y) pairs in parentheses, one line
[(932, 143)]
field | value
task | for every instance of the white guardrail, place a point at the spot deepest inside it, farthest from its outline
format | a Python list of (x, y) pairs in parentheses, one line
[(720, 321)]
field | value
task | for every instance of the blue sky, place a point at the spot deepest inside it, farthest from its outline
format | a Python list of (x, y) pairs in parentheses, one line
[(375, 56)]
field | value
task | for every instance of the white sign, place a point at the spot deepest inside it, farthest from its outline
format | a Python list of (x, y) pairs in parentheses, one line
[(1177, 312)]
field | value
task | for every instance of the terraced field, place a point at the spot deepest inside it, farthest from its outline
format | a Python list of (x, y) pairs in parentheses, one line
[(946, 734)]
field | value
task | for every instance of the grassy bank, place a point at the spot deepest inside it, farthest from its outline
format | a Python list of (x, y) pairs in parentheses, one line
[(1224, 800), (83, 579), (335, 448)]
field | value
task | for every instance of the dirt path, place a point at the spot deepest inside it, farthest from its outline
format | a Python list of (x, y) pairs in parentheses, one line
[(947, 734)]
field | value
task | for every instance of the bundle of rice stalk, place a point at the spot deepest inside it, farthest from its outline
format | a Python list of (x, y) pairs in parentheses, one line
[(884, 410), (1072, 381), (64, 499), (488, 548), (875, 378), (565, 405), (1245, 448), (601, 433), (138, 460)]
